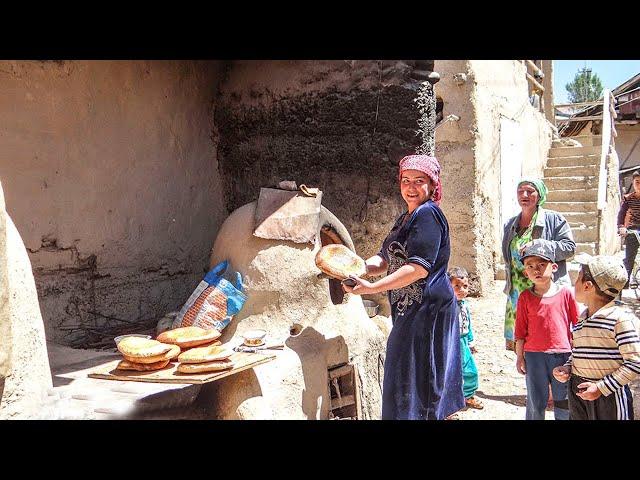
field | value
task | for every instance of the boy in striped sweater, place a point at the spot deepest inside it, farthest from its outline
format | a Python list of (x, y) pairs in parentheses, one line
[(606, 345)]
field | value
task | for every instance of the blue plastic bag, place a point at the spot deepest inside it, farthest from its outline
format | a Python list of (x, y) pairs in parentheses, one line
[(214, 302)]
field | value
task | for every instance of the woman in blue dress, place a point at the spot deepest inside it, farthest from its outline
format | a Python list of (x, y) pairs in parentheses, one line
[(422, 371)]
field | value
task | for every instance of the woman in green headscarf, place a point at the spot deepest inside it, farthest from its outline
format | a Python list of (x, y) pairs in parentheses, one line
[(533, 224)]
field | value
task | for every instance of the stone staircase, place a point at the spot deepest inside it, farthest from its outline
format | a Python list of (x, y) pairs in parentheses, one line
[(571, 176)]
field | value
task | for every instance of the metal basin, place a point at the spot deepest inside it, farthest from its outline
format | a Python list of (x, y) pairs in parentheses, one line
[(371, 307)]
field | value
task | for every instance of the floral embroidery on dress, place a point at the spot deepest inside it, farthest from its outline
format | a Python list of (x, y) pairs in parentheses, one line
[(405, 296)]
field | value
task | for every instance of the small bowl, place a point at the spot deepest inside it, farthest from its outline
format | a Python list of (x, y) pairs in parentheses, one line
[(122, 337), (371, 307), (254, 338)]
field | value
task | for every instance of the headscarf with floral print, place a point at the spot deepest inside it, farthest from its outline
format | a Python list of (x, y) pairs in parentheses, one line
[(425, 164)]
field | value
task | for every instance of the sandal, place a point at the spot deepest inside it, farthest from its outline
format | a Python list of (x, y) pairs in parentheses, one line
[(453, 416), (473, 402)]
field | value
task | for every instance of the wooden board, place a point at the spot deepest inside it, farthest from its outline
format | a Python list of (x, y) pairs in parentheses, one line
[(242, 360)]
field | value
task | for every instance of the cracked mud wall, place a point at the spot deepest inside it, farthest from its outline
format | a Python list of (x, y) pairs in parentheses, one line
[(339, 125), (110, 173), (469, 151)]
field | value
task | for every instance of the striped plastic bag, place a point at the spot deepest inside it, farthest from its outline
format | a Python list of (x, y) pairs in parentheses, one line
[(214, 302)]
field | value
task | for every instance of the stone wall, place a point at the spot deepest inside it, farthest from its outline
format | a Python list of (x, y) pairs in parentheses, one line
[(110, 174)]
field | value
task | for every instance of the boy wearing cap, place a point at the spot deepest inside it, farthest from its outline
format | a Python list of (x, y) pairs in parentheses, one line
[(606, 345), (542, 332)]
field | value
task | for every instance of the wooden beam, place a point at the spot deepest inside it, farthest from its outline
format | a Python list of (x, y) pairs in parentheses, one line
[(579, 104), (536, 69), (340, 371), (356, 377), (535, 82), (344, 401), (580, 119)]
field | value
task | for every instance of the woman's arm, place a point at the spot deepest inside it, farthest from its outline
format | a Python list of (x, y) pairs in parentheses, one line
[(561, 243), (376, 266), (405, 275)]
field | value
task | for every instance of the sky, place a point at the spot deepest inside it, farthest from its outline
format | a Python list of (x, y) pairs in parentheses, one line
[(611, 72)]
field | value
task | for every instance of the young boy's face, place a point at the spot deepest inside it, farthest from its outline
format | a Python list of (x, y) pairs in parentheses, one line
[(579, 288), (460, 287), (538, 269), (636, 185)]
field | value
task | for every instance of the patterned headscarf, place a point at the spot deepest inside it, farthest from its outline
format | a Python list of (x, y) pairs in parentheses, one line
[(540, 187), (425, 164)]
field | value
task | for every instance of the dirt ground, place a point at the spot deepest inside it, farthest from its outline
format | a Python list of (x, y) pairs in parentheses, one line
[(502, 389)]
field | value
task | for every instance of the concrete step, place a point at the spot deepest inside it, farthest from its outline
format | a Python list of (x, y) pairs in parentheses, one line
[(585, 234), (573, 151), (571, 183), (572, 171), (574, 161), (573, 195), (571, 206), (580, 218), (584, 140), (587, 247)]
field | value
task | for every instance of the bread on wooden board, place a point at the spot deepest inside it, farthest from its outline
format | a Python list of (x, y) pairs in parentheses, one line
[(173, 352), (204, 354), (205, 367), (138, 347), (142, 367), (186, 337)]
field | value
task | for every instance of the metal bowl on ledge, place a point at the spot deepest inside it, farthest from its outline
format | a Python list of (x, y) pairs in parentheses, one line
[(371, 307)]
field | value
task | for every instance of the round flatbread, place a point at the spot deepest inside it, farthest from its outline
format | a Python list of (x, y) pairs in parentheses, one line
[(204, 354), (212, 344), (339, 262), (173, 352), (205, 367), (142, 367), (138, 347), (186, 337)]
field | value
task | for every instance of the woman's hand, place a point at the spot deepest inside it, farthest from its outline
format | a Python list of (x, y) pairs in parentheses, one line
[(528, 244), (361, 287), (562, 373)]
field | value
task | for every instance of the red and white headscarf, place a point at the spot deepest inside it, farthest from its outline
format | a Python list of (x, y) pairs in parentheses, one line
[(425, 164)]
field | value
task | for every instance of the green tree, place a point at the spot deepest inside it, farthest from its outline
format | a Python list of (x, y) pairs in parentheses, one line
[(586, 87)]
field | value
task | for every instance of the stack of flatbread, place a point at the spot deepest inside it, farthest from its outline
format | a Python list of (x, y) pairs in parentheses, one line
[(144, 355), (212, 358), (198, 350), (201, 351)]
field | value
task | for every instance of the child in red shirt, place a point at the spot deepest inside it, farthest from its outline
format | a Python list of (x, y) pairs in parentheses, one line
[(542, 332)]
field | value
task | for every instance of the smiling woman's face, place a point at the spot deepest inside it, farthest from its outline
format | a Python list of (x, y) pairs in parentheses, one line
[(528, 196), (416, 188)]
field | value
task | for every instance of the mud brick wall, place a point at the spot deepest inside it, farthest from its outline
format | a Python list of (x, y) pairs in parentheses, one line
[(338, 125)]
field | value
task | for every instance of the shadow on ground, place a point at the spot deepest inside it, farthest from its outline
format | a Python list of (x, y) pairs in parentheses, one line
[(518, 400)]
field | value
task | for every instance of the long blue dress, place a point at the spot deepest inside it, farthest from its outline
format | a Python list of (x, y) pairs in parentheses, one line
[(422, 370)]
